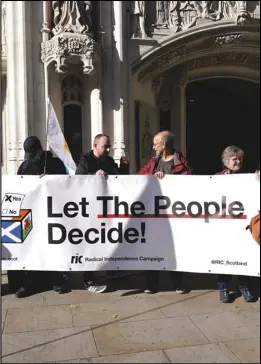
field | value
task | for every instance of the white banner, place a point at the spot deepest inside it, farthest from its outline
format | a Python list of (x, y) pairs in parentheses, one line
[(184, 223)]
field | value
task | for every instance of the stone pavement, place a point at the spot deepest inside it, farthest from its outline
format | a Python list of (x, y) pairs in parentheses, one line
[(130, 326)]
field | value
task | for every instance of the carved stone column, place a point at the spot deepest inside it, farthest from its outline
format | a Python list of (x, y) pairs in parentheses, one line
[(19, 88), (71, 36), (119, 83), (96, 113), (3, 152)]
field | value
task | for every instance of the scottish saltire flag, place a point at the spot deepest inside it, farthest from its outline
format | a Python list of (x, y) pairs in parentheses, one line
[(57, 141)]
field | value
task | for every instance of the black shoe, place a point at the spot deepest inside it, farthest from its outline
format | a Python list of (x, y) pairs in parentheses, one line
[(63, 288), (21, 293), (224, 293), (246, 293)]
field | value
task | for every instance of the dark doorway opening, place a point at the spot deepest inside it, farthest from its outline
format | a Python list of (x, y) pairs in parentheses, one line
[(222, 112), (73, 130)]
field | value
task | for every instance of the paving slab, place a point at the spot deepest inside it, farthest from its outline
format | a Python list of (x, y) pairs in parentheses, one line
[(144, 357), (10, 301), (4, 312), (51, 298), (252, 316), (38, 318), (226, 326), (75, 361), (209, 353), (129, 337), (156, 356), (95, 313), (256, 304), (48, 346), (248, 351), (201, 304)]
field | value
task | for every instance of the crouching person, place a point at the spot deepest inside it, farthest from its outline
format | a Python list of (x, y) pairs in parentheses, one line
[(23, 283)]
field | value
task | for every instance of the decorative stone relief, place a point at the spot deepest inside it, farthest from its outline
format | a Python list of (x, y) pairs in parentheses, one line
[(178, 16), (72, 17), (228, 39), (67, 48), (162, 14), (225, 59), (168, 59), (138, 20), (72, 89), (72, 40), (147, 139), (165, 61)]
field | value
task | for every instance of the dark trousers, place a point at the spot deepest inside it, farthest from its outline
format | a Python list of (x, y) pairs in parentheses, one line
[(89, 276), (152, 279), (224, 279), (18, 279), (33, 280)]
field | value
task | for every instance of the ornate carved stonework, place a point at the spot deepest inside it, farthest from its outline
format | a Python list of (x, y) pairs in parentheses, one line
[(225, 59), (72, 40), (168, 59), (72, 17), (66, 48), (228, 39), (176, 16), (138, 20), (165, 61)]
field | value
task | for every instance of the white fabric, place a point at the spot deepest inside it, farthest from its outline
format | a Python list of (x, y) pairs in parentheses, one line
[(57, 141), (206, 243)]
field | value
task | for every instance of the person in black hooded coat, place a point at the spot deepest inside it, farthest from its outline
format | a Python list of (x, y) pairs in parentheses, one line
[(23, 282)]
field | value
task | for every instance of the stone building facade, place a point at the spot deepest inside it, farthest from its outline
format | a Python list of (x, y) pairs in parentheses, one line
[(123, 68)]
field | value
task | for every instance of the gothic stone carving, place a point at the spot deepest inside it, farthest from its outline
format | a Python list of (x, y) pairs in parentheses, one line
[(181, 15), (162, 14), (138, 20), (72, 17), (228, 39), (171, 56), (225, 59), (163, 62), (65, 48)]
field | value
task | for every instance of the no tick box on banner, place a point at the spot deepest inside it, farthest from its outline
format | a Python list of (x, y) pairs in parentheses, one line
[(16, 229)]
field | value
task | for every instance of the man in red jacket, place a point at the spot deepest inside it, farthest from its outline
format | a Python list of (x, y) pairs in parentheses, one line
[(167, 161)]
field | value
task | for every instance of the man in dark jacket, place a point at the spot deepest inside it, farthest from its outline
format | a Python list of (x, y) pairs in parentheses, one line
[(37, 162), (167, 161), (98, 162)]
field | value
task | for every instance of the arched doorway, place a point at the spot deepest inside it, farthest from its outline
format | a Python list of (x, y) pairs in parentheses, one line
[(222, 112), (72, 97)]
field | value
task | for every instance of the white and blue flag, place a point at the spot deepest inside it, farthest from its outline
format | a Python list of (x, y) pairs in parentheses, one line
[(57, 141)]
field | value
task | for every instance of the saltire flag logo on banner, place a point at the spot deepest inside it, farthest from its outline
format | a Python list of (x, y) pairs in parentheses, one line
[(57, 141)]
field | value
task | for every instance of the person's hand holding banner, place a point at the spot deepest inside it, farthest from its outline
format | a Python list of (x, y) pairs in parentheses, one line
[(100, 173)]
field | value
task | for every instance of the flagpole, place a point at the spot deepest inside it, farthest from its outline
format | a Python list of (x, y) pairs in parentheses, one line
[(45, 37), (47, 97)]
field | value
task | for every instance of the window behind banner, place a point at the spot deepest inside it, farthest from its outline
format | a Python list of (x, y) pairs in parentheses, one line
[(72, 96)]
